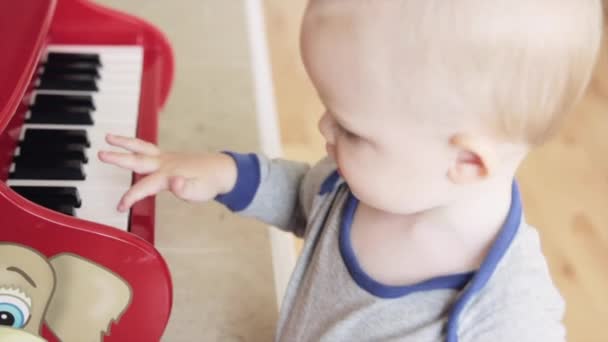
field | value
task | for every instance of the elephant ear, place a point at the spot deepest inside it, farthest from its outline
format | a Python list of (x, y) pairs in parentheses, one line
[(18, 335), (87, 299)]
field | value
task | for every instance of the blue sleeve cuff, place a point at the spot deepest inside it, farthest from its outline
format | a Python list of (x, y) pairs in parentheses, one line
[(247, 182)]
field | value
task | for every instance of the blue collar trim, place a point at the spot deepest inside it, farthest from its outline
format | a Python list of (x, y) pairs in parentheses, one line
[(455, 281), (498, 250), (329, 183)]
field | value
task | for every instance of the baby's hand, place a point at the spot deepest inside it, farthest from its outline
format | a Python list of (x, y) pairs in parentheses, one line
[(189, 177)]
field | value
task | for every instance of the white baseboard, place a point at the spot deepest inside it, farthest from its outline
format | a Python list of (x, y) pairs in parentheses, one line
[(282, 244)]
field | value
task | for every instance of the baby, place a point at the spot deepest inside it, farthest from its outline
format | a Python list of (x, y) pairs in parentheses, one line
[(413, 227)]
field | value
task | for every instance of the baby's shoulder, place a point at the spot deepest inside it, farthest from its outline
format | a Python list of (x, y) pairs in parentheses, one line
[(522, 276), (520, 301), (524, 260)]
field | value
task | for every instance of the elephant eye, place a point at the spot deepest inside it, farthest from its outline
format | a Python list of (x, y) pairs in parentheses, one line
[(14, 310)]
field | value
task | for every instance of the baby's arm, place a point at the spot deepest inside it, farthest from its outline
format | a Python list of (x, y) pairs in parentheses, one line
[(195, 178), (278, 192)]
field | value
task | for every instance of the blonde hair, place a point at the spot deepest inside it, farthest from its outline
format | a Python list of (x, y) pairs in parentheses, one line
[(514, 67), (519, 64)]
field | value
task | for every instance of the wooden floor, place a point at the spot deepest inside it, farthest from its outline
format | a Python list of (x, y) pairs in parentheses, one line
[(564, 183)]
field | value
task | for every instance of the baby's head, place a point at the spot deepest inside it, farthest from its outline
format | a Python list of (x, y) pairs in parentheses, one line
[(427, 99)]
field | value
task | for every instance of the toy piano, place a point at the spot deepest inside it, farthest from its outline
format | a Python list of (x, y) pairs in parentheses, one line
[(72, 268)]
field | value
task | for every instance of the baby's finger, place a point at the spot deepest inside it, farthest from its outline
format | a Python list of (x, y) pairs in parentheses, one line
[(133, 144), (135, 162), (147, 186)]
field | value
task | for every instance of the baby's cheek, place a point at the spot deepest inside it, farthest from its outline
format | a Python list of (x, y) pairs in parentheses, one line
[(365, 183), (389, 187), (374, 195)]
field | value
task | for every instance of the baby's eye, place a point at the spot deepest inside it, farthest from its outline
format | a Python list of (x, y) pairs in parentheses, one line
[(14, 311)]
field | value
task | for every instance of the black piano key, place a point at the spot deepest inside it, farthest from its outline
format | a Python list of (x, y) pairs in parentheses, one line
[(67, 84), (77, 68), (50, 194), (67, 58), (20, 161), (61, 101), (61, 170), (53, 151), (56, 136), (72, 65), (62, 208), (73, 77), (60, 116)]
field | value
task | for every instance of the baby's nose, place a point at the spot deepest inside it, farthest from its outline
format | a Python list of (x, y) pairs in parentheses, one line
[(327, 128)]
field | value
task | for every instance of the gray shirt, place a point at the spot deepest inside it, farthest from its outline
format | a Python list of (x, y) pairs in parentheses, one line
[(511, 297)]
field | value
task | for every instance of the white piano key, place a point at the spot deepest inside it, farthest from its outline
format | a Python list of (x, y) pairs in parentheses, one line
[(108, 52), (98, 202), (123, 78), (122, 110), (113, 58), (113, 68), (108, 88), (97, 96)]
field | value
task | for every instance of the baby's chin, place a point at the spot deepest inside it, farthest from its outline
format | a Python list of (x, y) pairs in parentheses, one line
[(378, 200), (382, 204)]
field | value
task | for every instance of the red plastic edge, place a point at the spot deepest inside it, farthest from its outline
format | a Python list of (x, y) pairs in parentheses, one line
[(22, 40)]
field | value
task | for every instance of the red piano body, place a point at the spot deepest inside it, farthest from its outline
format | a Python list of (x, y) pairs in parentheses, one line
[(26, 28)]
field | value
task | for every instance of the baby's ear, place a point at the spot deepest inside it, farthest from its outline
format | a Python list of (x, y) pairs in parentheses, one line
[(475, 159)]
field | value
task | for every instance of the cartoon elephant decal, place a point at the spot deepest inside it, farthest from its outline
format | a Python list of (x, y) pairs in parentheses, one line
[(78, 299)]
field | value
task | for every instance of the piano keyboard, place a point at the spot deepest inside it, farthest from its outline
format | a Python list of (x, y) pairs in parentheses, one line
[(82, 93)]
